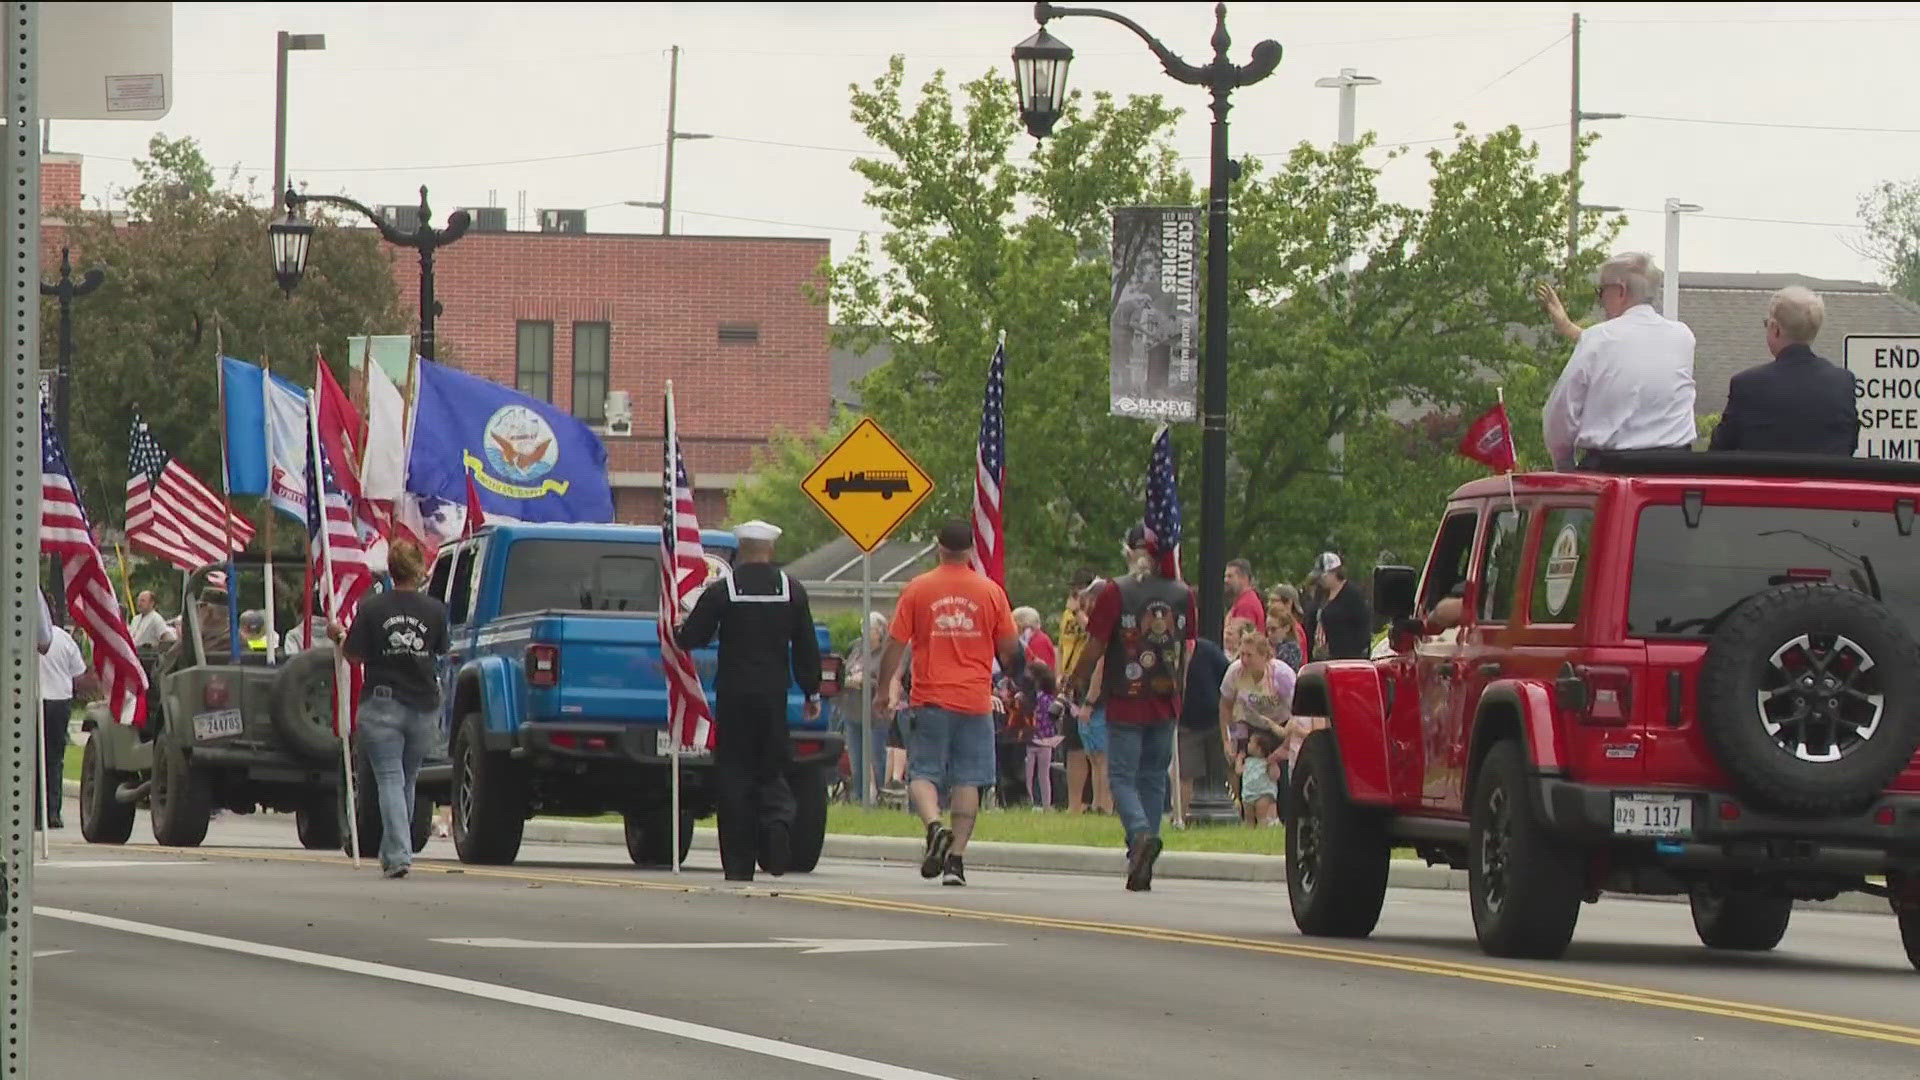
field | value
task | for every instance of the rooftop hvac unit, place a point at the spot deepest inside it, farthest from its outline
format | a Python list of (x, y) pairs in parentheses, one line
[(619, 413), (563, 221), (404, 218), (488, 218)]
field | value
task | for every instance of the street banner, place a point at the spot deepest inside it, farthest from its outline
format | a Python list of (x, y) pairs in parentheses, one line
[(1155, 359), (530, 461)]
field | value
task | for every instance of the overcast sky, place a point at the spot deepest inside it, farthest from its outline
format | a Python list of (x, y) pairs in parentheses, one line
[(567, 103)]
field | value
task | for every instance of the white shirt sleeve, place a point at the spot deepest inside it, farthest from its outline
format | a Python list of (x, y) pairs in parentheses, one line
[(1561, 417), (45, 638), (76, 664)]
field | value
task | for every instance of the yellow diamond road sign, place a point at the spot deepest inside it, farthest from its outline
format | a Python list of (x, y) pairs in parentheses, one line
[(867, 485)]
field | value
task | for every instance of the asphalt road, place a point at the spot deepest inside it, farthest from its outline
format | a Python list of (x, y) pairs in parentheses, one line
[(250, 958)]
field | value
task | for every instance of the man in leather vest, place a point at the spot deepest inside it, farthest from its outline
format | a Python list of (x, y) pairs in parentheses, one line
[(766, 631), (1143, 625)]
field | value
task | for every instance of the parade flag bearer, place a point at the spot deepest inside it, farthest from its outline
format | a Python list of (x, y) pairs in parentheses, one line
[(767, 644)]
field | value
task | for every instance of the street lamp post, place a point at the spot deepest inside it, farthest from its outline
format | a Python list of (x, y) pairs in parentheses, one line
[(1670, 292), (66, 291), (1040, 71), (293, 238), (287, 43)]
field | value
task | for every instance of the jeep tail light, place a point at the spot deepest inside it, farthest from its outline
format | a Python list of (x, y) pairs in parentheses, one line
[(1729, 811), (1599, 696), (1883, 816), (564, 740), (831, 668), (216, 695), (543, 665), (806, 748)]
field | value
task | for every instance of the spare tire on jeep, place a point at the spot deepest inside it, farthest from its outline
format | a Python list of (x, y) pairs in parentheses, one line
[(1810, 698), (303, 706)]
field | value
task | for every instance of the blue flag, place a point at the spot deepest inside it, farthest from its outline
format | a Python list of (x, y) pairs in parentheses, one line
[(529, 460), (243, 390)]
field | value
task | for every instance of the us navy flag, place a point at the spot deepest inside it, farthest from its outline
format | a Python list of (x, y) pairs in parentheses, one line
[(529, 461)]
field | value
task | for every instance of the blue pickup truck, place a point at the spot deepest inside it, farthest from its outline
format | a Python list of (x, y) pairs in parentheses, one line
[(555, 700)]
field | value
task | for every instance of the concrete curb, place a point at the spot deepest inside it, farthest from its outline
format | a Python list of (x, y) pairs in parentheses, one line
[(1060, 858)]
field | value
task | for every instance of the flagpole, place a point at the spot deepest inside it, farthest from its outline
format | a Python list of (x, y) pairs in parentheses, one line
[(266, 410), (667, 604), (45, 790), (1513, 451), (226, 497), (126, 586), (342, 676)]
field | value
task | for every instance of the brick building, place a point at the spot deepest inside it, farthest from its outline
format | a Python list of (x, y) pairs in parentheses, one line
[(575, 317)]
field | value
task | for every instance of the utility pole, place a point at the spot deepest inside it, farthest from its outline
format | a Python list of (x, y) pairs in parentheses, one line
[(665, 205), (286, 43), (1670, 292), (1348, 83), (1574, 116)]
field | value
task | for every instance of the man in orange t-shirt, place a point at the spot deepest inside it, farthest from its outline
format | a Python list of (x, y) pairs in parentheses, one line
[(956, 620)]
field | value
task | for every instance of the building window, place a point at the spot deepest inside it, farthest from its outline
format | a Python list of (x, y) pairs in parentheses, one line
[(739, 333), (591, 346), (533, 360)]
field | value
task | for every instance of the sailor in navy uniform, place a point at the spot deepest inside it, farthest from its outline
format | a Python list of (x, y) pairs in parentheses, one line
[(767, 644)]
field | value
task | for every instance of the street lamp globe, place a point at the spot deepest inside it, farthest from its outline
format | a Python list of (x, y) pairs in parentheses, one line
[(291, 239), (1040, 73)]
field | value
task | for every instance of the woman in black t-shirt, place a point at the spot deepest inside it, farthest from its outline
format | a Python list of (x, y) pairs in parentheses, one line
[(398, 638)]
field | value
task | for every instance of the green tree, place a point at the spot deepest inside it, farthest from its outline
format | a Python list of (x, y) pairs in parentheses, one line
[(1437, 312), (189, 270), (1891, 212)]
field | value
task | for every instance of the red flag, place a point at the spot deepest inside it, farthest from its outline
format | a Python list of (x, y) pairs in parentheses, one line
[(476, 517), (342, 431), (1490, 440)]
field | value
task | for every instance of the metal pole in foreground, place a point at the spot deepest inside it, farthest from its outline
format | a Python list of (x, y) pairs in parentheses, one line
[(868, 669), (19, 540)]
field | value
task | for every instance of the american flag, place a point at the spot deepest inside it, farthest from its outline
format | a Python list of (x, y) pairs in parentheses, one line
[(352, 576), (990, 475), (64, 534), (683, 569), (1163, 503), (171, 514)]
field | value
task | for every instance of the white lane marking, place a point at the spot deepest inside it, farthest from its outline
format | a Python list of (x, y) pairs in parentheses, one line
[(663, 1025), (113, 864), (807, 946), (38, 953)]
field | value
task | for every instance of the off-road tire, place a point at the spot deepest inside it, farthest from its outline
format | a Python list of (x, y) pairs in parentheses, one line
[(808, 837), (103, 818), (1526, 885), (317, 822), (180, 803), (302, 707), (1337, 853), (1739, 921), (649, 843), (490, 798), (1740, 667), (1906, 909)]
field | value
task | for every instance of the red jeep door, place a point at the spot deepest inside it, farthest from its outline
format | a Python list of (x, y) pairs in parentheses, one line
[(1485, 639), (1423, 762)]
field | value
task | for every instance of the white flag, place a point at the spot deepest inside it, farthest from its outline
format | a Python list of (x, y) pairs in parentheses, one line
[(287, 450), (384, 475)]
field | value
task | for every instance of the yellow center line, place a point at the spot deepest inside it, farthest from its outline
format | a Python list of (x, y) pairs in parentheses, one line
[(1529, 980)]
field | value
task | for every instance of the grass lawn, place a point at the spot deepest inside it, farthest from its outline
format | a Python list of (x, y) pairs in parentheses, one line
[(72, 763), (1023, 826)]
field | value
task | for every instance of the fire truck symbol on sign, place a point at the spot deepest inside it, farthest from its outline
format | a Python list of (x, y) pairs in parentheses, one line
[(883, 482)]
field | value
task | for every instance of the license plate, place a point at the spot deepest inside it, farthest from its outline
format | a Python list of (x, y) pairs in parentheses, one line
[(663, 746), (1653, 815), (217, 725)]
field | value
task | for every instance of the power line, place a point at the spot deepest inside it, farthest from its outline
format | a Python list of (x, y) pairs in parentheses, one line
[(788, 224), (1752, 220), (1774, 124), (1495, 81), (428, 168)]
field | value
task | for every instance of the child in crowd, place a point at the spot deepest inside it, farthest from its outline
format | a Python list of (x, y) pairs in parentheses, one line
[(1045, 737), (1259, 794)]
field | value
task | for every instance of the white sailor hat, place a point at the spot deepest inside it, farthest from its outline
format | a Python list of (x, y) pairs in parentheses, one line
[(757, 530)]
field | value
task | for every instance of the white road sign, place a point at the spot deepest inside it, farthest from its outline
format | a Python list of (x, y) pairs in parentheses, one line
[(1887, 394)]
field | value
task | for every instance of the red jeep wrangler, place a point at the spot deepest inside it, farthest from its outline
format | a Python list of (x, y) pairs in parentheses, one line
[(1684, 673)]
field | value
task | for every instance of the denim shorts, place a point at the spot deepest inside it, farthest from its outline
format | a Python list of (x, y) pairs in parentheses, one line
[(1093, 733), (951, 749)]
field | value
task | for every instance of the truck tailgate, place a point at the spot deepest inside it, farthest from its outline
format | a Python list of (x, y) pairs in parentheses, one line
[(609, 669)]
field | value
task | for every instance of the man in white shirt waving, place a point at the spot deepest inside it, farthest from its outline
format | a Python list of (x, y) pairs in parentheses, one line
[(1629, 385)]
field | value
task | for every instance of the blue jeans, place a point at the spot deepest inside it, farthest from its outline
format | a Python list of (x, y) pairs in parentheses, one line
[(396, 740), (1138, 757), (867, 758)]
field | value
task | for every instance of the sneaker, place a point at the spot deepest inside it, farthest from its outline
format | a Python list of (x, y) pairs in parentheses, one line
[(939, 841), (956, 871), (395, 872), (777, 849), (1140, 864)]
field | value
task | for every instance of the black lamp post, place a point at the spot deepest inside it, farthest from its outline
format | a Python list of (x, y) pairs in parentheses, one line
[(1040, 70), (66, 291), (293, 238)]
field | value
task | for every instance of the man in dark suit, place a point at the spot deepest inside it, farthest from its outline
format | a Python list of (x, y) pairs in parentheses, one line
[(1800, 402)]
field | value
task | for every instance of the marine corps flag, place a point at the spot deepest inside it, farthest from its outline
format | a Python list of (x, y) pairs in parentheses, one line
[(1490, 440)]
